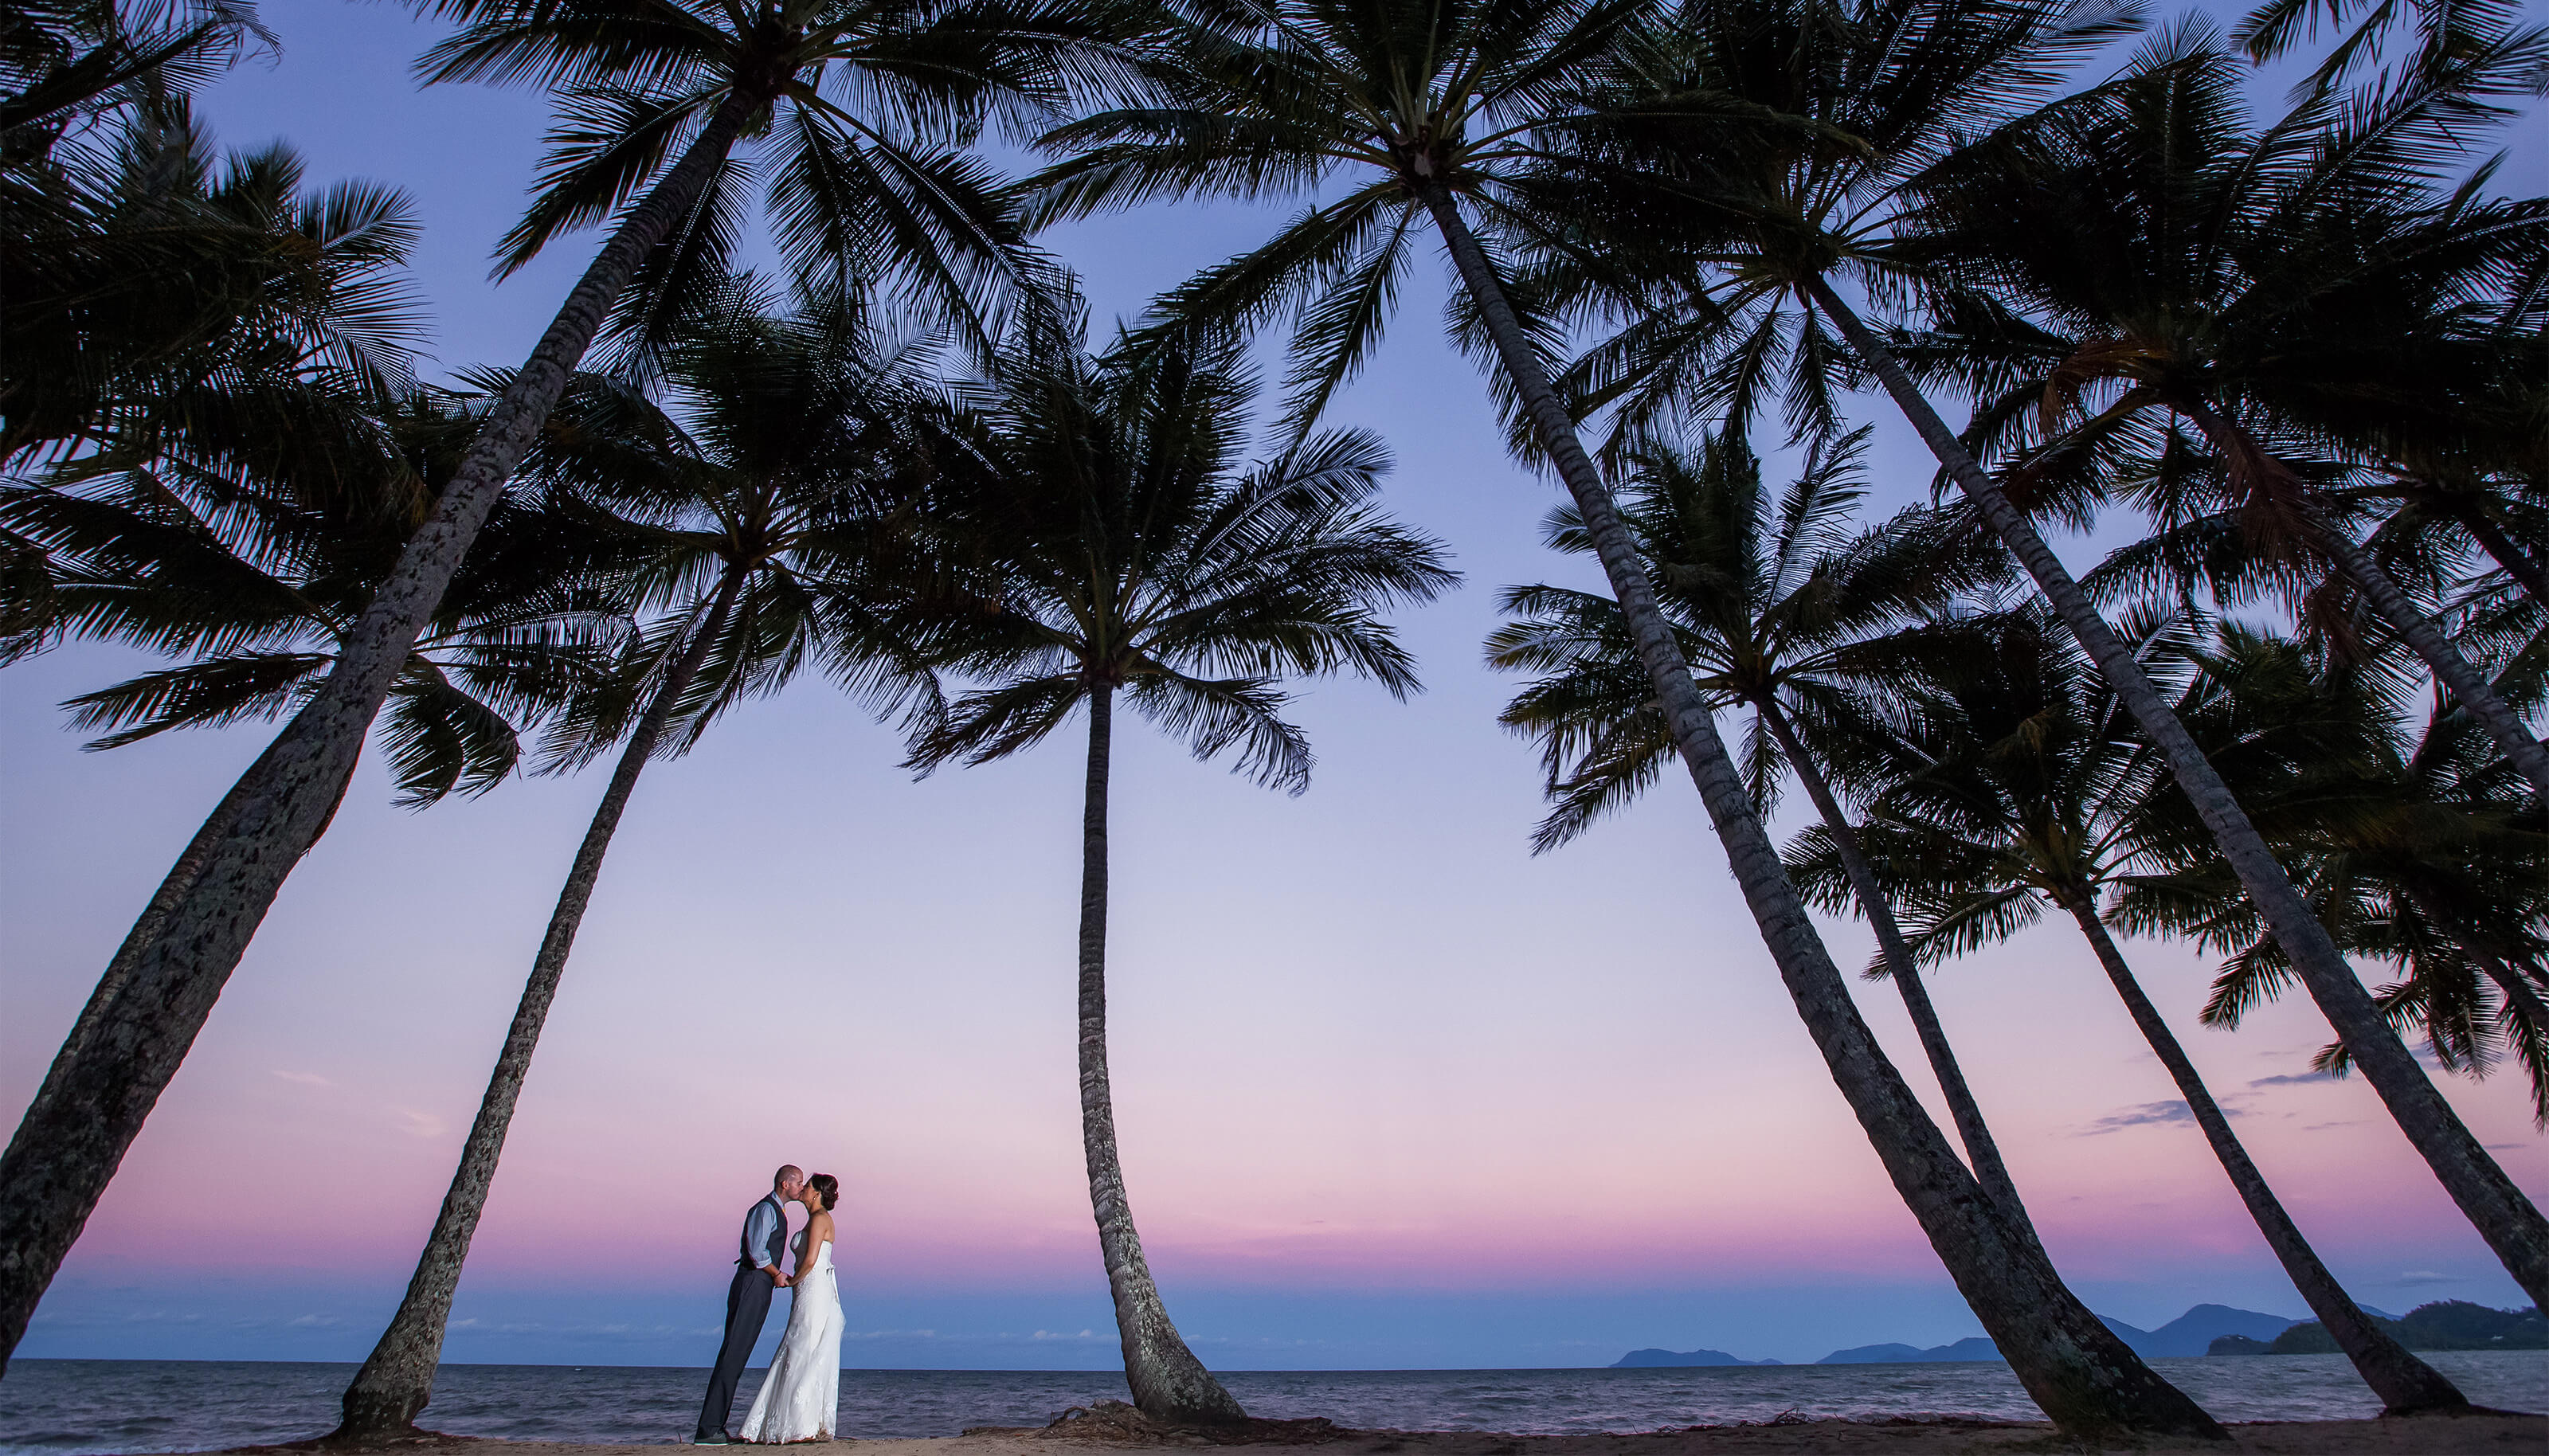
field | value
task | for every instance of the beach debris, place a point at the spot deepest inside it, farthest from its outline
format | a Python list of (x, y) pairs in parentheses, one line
[(1114, 1422)]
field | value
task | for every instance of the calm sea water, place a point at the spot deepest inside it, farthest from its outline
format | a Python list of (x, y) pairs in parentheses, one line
[(67, 1408)]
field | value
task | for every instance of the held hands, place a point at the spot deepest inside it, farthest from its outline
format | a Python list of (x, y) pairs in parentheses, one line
[(778, 1280)]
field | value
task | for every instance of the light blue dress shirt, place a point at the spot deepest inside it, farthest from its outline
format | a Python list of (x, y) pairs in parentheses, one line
[(756, 1230)]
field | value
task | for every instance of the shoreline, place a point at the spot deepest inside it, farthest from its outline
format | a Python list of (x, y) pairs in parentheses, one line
[(1114, 1427)]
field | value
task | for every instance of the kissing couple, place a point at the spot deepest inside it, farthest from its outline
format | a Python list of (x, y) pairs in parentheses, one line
[(802, 1395)]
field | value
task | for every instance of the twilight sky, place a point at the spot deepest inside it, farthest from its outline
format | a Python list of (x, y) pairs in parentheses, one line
[(1391, 1092)]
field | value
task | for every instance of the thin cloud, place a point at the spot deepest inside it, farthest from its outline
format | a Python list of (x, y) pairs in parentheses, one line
[(2292, 1079), (2148, 1114), (305, 1079), (419, 1124), (2415, 1277)]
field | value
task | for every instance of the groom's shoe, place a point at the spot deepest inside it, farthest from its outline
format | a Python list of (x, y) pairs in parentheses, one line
[(715, 1438)]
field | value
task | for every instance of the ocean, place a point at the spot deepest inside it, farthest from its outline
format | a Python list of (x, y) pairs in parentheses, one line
[(72, 1408)]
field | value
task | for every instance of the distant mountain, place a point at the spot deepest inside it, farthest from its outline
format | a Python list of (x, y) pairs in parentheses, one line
[(2190, 1333), (1669, 1359), (2193, 1332), (2446, 1324)]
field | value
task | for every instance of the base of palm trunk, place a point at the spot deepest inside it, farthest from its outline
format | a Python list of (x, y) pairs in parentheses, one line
[(1192, 1403), (1191, 1414), (376, 1418), (1171, 1387)]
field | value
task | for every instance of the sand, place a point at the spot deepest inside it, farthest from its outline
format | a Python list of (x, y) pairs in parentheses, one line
[(1119, 1430)]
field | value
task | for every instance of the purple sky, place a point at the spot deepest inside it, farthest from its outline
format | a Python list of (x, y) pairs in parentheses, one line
[(1392, 1093)]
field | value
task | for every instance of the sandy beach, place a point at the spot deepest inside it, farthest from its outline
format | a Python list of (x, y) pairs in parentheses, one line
[(1116, 1429)]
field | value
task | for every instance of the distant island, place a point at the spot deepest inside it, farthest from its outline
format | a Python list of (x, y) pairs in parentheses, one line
[(2445, 1324), (2191, 1333), (1661, 1359)]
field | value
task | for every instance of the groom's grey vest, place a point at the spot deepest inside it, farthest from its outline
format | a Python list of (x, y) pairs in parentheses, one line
[(777, 1253)]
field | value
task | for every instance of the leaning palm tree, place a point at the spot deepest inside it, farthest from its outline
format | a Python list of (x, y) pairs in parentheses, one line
[(1729, 256), (1116, 547), (750, 511), (2158, 264), (863, 111), (2015, 783), (1781, 606), (1421, 113), (2411, 841)]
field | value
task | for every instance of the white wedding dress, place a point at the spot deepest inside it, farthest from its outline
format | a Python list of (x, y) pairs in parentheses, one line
[(800, 1398)]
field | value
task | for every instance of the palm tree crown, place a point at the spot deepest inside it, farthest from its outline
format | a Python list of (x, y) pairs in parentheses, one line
[(866, 109), (1125, 548), (2144, 263), (1394, 103), (1779, 603)]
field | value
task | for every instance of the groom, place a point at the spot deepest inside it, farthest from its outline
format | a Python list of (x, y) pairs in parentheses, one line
[(747, 1300)]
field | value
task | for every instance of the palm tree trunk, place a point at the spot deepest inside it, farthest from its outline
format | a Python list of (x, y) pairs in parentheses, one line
[(397, 1380), (2467, 686), (2504, 1217), (1169, 1382), (2515, 975), (97, 1013), (92, 1105), (2086, 1379), (163, 902), (2500, 548), (2405, 1385), (1980, 1148)]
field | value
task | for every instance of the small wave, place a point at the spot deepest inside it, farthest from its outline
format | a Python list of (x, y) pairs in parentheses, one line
[(89, 1408)]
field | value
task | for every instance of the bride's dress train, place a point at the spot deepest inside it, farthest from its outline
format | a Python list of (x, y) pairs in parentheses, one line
[(802, 1395)]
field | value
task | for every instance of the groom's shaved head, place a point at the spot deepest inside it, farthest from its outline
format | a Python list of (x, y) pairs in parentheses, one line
[(787, 1173)]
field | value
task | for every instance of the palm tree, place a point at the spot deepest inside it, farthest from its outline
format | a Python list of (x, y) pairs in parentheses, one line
[(1429, 108), (864, 107), (2412, 846), (1779, 605), (65, 65), (749, 512), (2444, 30), (2501, 510), (254, 560), (251, 573), (1118, 548), (2263, 288), (1705, 238), (209, 324), (2018, 783), (166, 301)]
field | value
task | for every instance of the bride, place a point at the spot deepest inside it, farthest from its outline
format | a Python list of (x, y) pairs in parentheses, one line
[(801, 1396)]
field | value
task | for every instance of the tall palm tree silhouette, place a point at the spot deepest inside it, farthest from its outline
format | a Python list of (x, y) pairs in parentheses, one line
[(1117, 551)]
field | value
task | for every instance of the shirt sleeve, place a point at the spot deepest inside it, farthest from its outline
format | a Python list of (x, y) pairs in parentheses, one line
[(756, 1234)]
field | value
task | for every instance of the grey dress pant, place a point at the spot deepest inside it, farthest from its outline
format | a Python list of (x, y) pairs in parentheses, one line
[(747, 1306)]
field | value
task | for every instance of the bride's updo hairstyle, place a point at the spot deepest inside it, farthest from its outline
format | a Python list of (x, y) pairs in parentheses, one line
[(828, 1186)]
